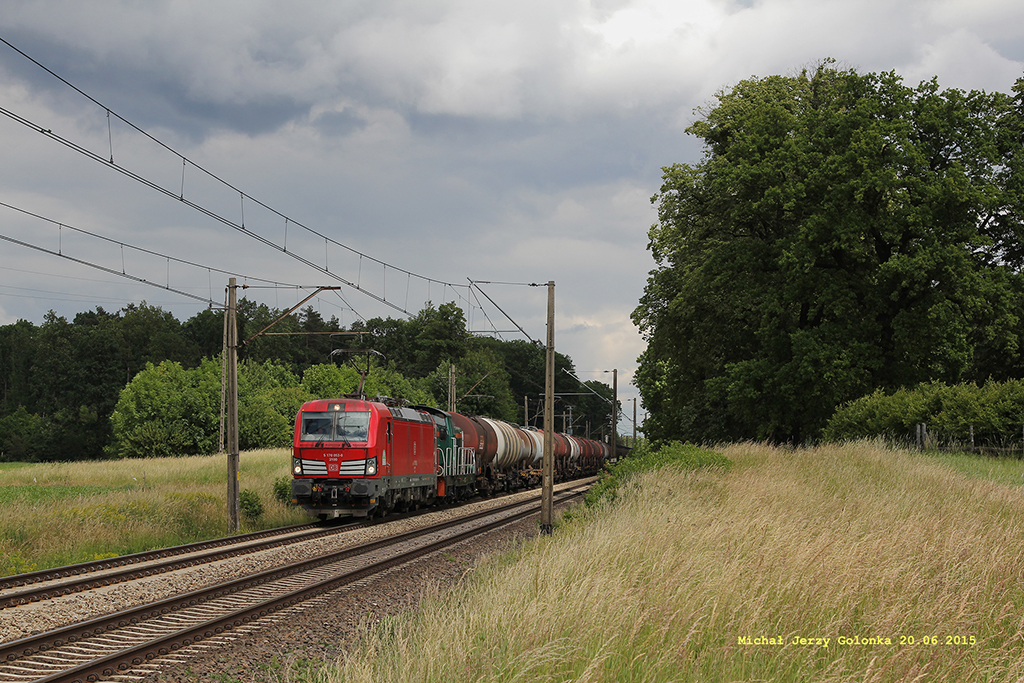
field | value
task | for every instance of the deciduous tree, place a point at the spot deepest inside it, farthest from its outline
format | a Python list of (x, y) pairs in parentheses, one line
[(843, 232)]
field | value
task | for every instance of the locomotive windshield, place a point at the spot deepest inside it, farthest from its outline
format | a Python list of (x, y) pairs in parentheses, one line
[(335, 426)]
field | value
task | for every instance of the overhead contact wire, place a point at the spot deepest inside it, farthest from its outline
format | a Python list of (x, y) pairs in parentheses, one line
[(180, 197), (143, 250), (197, 207), (105, 269)]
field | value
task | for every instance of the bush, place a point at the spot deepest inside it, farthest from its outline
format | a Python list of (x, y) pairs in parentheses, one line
[(329, 381), (992, 409), (168, 410), (334, 381), (267, 419), (283, 490), (250, 504), (269, 398)]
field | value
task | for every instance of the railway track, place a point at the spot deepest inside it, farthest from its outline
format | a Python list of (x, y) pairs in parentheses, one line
[(115, 644), (46, 584), (21, 589)]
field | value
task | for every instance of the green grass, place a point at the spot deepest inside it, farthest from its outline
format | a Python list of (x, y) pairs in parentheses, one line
[(53, 514), (52, 494), (1008, 471), (679, 456), (670, 573)]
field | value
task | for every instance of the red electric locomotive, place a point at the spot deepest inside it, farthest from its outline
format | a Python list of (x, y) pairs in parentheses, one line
[(359, 457), (352, 456)]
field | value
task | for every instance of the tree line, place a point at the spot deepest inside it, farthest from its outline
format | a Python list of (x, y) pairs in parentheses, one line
[(843, 234), (138, 382)]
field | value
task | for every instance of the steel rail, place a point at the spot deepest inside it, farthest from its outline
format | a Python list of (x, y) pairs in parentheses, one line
[(15, 590), (134, 566), (27, 578)]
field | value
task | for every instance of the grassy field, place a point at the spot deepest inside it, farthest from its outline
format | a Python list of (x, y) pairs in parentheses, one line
[(63, 513), (839, 563)]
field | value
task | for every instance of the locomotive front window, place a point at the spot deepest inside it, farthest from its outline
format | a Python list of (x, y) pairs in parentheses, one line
[(353, 426), (317, 426), (335, 426)]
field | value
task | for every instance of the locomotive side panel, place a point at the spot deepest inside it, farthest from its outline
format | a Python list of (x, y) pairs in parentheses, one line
[(456, 447)]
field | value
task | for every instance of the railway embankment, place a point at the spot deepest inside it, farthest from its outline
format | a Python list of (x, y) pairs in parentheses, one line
[(842, 563)]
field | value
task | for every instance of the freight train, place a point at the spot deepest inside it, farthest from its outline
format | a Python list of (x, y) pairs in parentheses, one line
[(359, 457)]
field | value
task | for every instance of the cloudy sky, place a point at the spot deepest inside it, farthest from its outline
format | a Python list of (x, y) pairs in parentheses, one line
[(448, 139)]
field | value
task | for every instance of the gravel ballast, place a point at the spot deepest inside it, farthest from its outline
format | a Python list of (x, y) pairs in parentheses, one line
[(320, 632)]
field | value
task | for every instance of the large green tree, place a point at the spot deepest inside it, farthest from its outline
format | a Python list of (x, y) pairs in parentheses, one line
[(168, 410), (481, 385), (843, 232)]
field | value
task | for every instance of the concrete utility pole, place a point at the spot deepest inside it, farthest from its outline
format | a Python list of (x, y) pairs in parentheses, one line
[(634, 422), (615, 415), (223, 376), (229, 389), (547, 482), (451, 388), (231, 431)]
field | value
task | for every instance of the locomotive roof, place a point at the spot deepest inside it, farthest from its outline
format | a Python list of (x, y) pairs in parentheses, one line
[(330, 403), (358, 404)]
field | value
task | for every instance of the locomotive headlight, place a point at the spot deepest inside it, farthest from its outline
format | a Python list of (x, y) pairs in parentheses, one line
[(371, 466), (296, 466)]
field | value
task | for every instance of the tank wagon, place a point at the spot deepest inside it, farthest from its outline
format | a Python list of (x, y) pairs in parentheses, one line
[(353, 456)]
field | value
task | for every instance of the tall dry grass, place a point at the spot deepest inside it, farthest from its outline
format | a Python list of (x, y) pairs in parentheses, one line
[(53, 514), (685, 575)]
